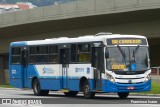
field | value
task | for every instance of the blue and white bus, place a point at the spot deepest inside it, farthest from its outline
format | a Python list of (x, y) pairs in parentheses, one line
[(100, 63)]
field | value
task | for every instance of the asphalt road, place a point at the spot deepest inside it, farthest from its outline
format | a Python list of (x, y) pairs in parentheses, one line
[(18, 98)]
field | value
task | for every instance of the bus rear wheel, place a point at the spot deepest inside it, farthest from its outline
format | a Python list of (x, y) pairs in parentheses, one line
[(37, 90), (86, 91), (123, 95), (71, 93)]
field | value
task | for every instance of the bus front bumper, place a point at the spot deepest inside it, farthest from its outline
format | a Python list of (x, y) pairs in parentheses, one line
[(109, 86)]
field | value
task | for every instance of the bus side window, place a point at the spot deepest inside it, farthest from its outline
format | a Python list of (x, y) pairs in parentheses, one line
[(83, 53), (73, 53), (84, 57), (53, 54), (16, 57), (41, 54), (32, 56)]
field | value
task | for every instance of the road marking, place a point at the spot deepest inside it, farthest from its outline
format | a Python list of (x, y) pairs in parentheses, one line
[(156, 105), (34, 106), (2, 94), (146, 105)]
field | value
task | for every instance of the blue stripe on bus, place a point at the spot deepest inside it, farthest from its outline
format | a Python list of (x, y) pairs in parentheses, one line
[(116, 87), (55, 82)]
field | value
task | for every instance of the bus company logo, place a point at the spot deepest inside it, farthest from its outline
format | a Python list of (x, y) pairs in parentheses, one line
[(48, 70), (88, 70), (79, 70), (13, 71), (129, 81)]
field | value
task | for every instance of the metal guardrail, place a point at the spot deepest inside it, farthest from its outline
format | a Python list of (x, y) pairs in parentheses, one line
[(75, 8), (155, 74), (155, 71)]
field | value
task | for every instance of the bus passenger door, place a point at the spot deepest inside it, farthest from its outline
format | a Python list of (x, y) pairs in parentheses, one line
[(97, 64), (24, 56), (64, 60)]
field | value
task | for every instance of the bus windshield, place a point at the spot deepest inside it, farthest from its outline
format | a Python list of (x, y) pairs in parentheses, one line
[(121, 58)]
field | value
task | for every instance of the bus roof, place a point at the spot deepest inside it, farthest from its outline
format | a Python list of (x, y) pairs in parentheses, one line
[(88, 38)]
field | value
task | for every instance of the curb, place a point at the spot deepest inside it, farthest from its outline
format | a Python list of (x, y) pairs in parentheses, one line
[(12, 88), (135, 94), (144, 94)]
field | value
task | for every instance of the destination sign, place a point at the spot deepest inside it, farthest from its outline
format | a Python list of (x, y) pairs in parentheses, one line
[(126, 41), (118, 66)]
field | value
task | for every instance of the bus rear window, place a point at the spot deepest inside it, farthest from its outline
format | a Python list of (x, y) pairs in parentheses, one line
[(16, 53)]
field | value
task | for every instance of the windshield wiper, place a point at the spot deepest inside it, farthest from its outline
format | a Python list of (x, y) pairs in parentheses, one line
[(135, 52), (122, 52)]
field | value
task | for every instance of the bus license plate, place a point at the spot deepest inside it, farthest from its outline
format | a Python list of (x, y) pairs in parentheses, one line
[(131, 88)]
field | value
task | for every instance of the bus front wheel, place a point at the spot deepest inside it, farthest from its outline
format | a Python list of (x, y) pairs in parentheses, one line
[(37, 90), (86, 91), (123, 95)]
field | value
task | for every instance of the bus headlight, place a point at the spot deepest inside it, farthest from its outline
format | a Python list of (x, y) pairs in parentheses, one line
[(109, 77), (112, 79), (148, 77)]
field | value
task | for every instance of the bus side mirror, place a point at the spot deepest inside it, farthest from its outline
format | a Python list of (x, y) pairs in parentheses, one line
[(106, 54)]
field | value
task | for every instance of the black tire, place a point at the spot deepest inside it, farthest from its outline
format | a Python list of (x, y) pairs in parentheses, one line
[(37, 90), (123, 95), (86, 91), (45, 92), (71, 93)]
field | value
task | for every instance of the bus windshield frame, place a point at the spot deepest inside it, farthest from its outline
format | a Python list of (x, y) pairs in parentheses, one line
[(122, 58)]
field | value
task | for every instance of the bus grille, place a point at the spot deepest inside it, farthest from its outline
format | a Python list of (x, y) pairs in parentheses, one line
[(129, 72)]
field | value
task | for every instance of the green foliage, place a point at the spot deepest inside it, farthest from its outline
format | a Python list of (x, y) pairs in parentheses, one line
[(6, 86), (155, 89)]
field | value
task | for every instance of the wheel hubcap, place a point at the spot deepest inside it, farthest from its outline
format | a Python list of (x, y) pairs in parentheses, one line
[(36, 87), (86, 90)]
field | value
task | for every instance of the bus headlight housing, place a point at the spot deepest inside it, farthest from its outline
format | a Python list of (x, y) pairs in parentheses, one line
[(148, 77), (110, 78)]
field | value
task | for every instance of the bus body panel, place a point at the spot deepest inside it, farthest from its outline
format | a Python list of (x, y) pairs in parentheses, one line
[(48, 75), (80, 70), (17, 76), (51, 83), (51, 79)]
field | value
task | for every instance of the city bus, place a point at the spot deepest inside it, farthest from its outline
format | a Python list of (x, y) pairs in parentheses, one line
[(101, 63)]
